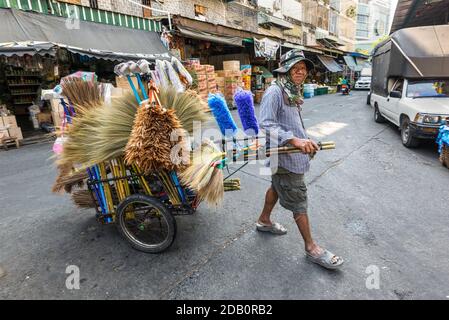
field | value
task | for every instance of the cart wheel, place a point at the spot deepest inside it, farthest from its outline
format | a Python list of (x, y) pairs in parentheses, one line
[(146, 223)]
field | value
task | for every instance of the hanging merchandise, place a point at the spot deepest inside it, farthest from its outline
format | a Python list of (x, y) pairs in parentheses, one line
[(173, 77), (266, 48), (184, 75)]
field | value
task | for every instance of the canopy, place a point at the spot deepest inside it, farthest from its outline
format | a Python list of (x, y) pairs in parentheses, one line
[(33, 33), (417, 52), (352, 64), (207, 36), (330, 63)]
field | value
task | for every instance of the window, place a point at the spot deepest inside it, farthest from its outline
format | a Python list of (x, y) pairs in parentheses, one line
[(398, 85), (146, 11), (200, 10), (93, 4)]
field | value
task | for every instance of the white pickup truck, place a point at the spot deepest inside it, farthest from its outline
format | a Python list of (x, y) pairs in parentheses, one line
[(417, 106), (410, 81)]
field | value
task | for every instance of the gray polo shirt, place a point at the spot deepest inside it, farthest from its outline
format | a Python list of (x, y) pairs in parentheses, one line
[(282, 122)]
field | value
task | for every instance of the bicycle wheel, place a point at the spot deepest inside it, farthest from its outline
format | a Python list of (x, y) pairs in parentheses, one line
[(146, 223)]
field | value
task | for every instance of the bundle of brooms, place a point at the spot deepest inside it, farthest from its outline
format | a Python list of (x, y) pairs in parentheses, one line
[(100, 133)]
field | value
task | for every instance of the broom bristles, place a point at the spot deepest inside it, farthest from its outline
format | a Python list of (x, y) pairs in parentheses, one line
[(83, 199)]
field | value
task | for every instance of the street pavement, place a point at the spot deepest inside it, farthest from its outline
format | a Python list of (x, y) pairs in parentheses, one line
[(381, 206)]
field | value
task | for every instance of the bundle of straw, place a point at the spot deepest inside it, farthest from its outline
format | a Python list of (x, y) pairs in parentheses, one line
[(82, 93), (83, 199), (203, 176), (101, 132), (188, 106), (68, 178)]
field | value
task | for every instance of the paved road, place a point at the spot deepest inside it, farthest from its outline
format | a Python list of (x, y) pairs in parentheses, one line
[(383, 207)]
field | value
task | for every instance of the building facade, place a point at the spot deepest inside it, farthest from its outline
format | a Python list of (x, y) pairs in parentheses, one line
[(373, 20)]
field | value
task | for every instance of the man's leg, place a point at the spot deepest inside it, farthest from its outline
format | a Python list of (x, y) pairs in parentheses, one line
[(271, 197), (302, 221)]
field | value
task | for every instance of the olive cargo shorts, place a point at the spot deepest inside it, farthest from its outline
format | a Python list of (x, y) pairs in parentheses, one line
[(291, 189)]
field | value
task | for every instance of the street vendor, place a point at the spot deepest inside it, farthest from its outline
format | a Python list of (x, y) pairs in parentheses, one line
[(280, 117)]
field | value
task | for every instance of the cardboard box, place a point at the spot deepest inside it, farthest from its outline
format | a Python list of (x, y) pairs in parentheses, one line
[(15, 133), (4, 133), (201, 77), (232, 65), (228, 73), (209, 68), (122, 82), (220, 81), (8, 121), (199, 68), (57, 118), (44, 117)]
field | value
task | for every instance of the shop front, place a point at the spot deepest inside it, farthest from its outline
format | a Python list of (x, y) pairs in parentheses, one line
[(37, 50)]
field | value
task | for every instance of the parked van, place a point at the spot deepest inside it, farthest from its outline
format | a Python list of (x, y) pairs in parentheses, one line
[(410, 82)]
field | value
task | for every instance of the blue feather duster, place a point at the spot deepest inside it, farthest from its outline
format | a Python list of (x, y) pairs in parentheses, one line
[(245, 106), (222, 115)]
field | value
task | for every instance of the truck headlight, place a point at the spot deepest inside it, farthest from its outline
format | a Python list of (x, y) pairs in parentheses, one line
[(428, 118)]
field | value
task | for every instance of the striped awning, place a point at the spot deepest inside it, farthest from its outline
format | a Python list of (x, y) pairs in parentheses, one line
[(66, 10), (27, 32)]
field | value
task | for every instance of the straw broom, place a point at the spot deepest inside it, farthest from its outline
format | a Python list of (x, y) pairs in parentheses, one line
[(101, 133), (203, 176), (82, 93)]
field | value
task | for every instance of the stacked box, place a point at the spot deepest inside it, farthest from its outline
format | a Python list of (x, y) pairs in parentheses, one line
[(233, 65), (15, 132), (211, 82), (9, 128), (122, 82), (8, 121), (57, 112), (231, 86), (220, 84)]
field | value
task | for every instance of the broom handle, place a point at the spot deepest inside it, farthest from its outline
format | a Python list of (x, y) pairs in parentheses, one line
[(136, 94), (142, 87)]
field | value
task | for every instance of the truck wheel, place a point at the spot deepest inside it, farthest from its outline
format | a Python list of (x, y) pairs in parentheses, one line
[(407, 138), (368, 98), (146, 223), (377, 116)]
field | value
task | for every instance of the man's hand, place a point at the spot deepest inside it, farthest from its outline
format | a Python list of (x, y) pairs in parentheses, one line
[(305, 145)]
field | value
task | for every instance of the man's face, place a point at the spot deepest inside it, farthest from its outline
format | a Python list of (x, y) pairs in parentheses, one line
[(298, 72)]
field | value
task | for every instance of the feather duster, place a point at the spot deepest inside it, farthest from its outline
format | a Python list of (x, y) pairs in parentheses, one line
[(222, 115), (150, 144), (245, 106)]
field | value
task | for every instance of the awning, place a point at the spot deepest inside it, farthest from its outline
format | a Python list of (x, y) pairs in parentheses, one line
[(264, 18), (330, 63), (212, 37), (27, 32), (350, 62), (292, 46)]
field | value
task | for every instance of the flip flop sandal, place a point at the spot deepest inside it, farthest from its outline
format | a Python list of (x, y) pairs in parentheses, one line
[(325, 260), (275, 228)]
